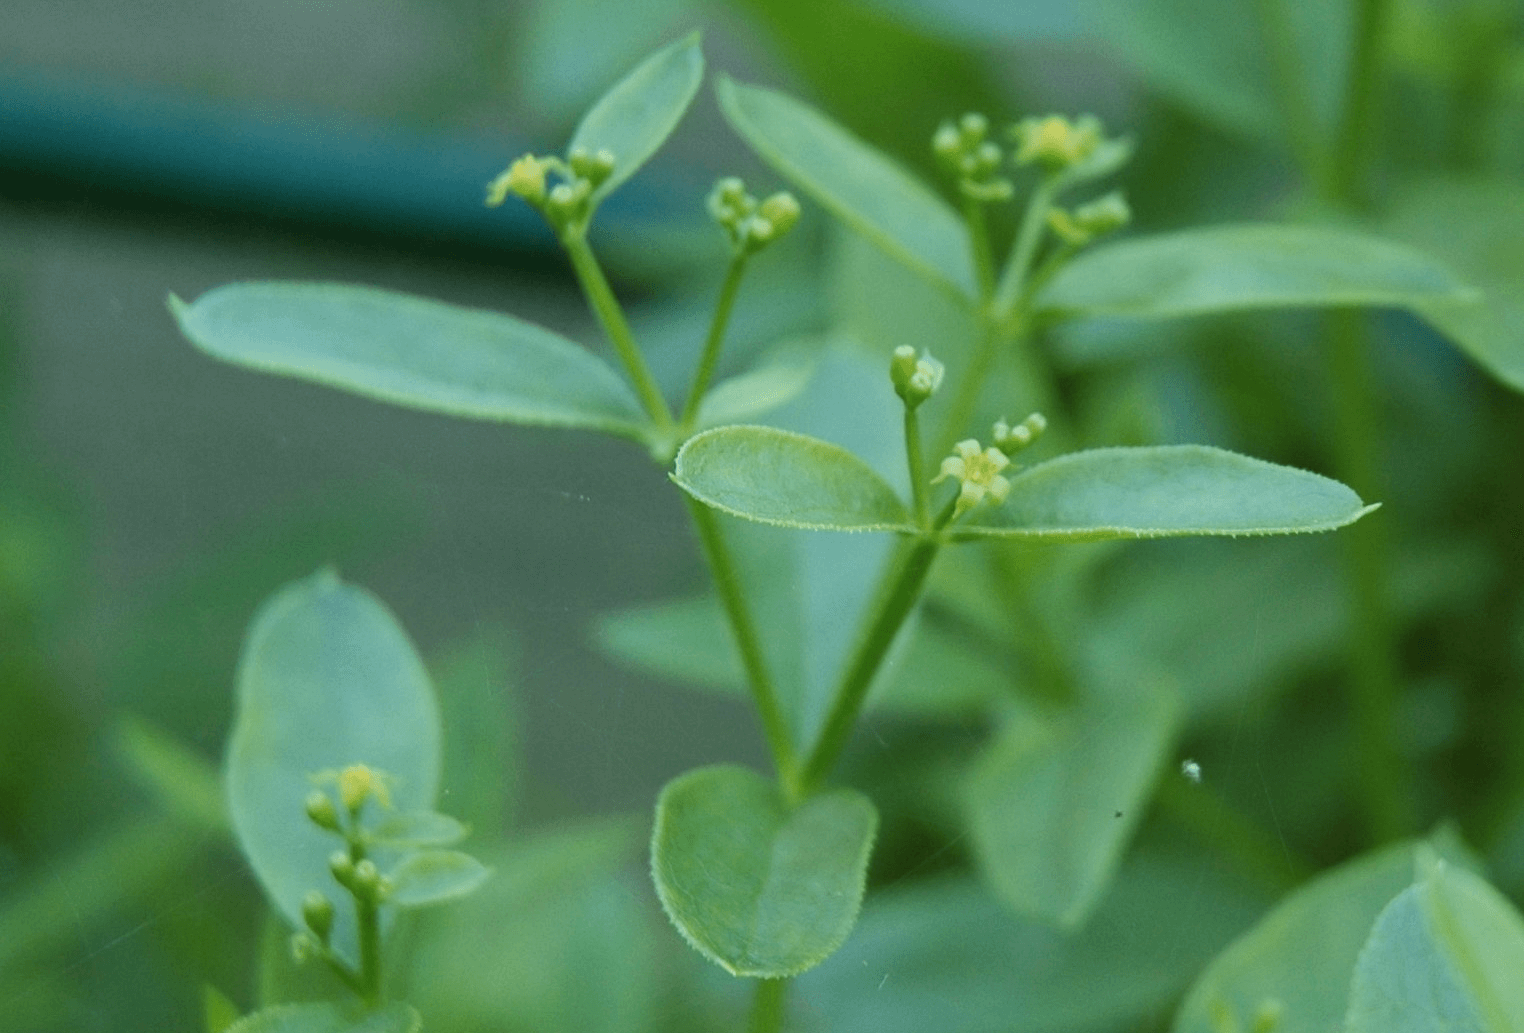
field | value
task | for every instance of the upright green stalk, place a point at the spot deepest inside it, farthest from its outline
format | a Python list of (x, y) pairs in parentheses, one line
[(748, 643), (1013, 279), (713, 343), (767, 1006), (919, 486), (979, 242), (892, 603), (606, 307)]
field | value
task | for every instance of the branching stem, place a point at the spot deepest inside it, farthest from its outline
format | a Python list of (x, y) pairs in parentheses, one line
[(713, 343)]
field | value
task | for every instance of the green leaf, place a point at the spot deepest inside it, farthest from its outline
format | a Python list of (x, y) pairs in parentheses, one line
[(1478, 225), (417, 828), (1445, 955), (217, 1011), (1225, 268), (327, 679), (780, 377), (186, 782), (558, 907), (1052, 805), (640, 111), (1161, 492), (412, 352), (434, 877), (329, 1018), (853, 181), (779, 477), (756, 886), (942, 955), (1324, 921)]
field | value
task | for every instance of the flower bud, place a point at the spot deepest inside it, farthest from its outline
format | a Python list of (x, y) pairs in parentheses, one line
[(1055, 142), (1011, 440), (973, 128), (782, 210), (367, 879), (1105, 214), (304, 948), (914, 379), (525, 177), (321, 811), (342, 869), (595, 168), (947, 143), (317, 912)]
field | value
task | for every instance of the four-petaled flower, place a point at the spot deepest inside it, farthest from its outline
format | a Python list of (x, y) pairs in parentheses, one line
[(979, 471)]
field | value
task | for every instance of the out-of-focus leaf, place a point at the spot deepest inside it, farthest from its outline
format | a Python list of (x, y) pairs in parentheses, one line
[(218, 1012), (328, 678), (1052, 805), (945, 956), (1225, 268), (1216, 57), (476, 692), (412, 352), (186, 782), (688, 641), (1478, 226), (329, 1018), (779, 477), (857, 184), (759, 887), (417, 828), (635, 117), (1267, 967), (777, 379), (557, 908), (434, 877), (978, 22), (1161, 492), (1445, 955)]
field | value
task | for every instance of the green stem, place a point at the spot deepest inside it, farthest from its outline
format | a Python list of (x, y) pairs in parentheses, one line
[(767, 1006), (1297, 113), (713, 343), (979, 244), (1024, 250), (733, 599), (1373, 676), (369, 920), (606, 307), (1362, 101), (896, 597), (919, 487)]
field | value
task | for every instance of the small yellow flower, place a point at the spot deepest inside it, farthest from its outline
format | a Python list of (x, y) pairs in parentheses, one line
[(979, 471), (358, 783), (525, 177), (1055, 141)]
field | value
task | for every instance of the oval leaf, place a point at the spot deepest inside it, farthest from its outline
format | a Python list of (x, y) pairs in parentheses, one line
[(637, 115), (329, 1018), (417, 828), (1224, 268), (757, 887), (327, 679), (1052, 807), (1267, 969), (433, 877), (1445, 955), (779, 477), (1161, 492), (413, 352), (853, 181)]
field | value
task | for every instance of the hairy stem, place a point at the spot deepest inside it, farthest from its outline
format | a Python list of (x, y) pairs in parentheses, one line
[(606, 307), (713, 343)]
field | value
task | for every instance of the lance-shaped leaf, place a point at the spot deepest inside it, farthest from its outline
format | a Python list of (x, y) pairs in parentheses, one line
[(760, 887), (779, 477), (411, 351), (1225, 268), (1052, 806), (1163, 492), (1479, 226), (329, 1018), (327, 679), (856, 183), (1266, 972), (637, 115), (1446, 954)]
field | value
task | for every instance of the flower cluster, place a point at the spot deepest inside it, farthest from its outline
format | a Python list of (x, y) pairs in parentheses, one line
[(1088, 221), (965, 148), (751, 225), (1055, 142), (915, 378), (566, 204)]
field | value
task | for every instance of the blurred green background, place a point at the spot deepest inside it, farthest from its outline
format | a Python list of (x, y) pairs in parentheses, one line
[(149, 498)]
